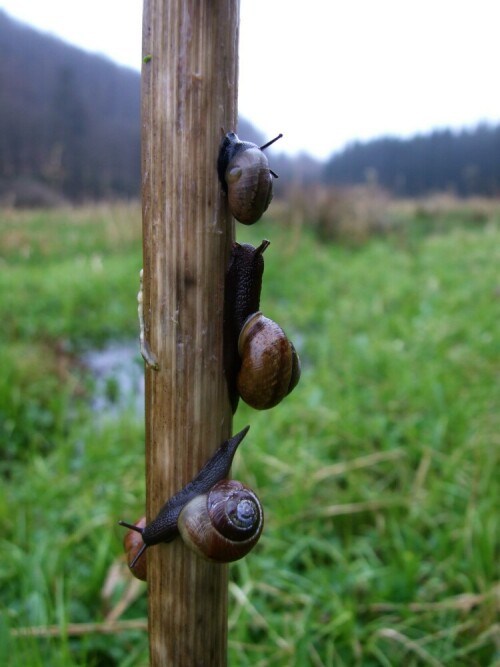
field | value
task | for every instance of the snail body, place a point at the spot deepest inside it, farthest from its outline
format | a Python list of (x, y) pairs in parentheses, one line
[(245, 177), (164, 527), (262, 365), (244, 282), (224, 524)]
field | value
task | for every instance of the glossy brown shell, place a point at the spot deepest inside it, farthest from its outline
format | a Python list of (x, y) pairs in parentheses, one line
[(249, 185), (224, 524), (132, 543), (270, 365)]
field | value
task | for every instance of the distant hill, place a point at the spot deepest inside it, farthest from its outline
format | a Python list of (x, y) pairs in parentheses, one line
[(69, 119), (465, 162)]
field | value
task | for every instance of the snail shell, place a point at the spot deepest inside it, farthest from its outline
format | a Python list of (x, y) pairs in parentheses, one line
[(249, 185), (246, 178), (224, 524), (270, 365), (133, 543)]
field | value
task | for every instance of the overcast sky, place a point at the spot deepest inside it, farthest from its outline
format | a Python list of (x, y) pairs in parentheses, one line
[(327, 72)]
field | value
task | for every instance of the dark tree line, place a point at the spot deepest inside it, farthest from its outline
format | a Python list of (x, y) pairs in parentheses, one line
[(465, 163)]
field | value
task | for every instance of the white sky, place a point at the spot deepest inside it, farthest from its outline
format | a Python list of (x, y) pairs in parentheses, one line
[(325, 72)]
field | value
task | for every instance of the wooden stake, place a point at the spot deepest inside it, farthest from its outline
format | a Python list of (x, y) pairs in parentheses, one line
[(189, 93)]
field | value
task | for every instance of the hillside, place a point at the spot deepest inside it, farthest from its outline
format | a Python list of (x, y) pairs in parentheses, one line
[(69, 119)]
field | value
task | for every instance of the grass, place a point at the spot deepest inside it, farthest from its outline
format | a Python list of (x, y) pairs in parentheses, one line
[(377, 474)]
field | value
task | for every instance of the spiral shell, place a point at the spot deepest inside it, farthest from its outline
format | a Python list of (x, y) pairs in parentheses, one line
[(270, 365), (245, 177), (224, 524), (249, 185)]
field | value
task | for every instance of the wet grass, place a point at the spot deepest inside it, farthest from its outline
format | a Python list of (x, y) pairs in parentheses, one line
[(377, 474)]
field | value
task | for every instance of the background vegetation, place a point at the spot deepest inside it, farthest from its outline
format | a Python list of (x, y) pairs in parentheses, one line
[(378, 474)]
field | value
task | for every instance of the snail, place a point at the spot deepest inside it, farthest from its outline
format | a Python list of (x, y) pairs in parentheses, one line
[(221, 526), (132, 544), (261, 364), (270, 365), (165, 526), (245, 177), (224, 524)]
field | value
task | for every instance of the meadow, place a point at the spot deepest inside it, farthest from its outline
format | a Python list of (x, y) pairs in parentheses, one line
[(378, 474)]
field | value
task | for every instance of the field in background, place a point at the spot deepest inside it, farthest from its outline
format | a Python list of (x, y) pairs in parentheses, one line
[(378, 475)]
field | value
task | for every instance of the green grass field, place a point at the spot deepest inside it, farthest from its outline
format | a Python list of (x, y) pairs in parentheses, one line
[(379, 474)]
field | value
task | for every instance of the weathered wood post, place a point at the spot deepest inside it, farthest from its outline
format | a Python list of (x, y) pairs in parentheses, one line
[(189, 92)]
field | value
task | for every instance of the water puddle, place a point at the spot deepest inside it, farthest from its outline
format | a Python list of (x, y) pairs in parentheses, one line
[(118, 372)]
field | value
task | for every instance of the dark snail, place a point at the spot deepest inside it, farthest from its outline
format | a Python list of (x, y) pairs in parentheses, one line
[(224, 524), (164, 527), (245, 177), (261, 364), (241, 299)]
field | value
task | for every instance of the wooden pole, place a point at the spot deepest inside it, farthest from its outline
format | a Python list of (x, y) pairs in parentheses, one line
[(189, 93)]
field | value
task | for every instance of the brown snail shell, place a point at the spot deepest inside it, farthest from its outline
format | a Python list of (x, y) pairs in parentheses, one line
[(224, 524), (132, 543), (270, 365), (249, 185), (245, 177)]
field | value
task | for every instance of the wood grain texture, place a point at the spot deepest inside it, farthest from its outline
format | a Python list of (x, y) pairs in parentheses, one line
[(189, 94)]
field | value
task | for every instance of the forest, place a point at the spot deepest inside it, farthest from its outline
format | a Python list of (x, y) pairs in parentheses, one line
[(71, 132), (465, 163)]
